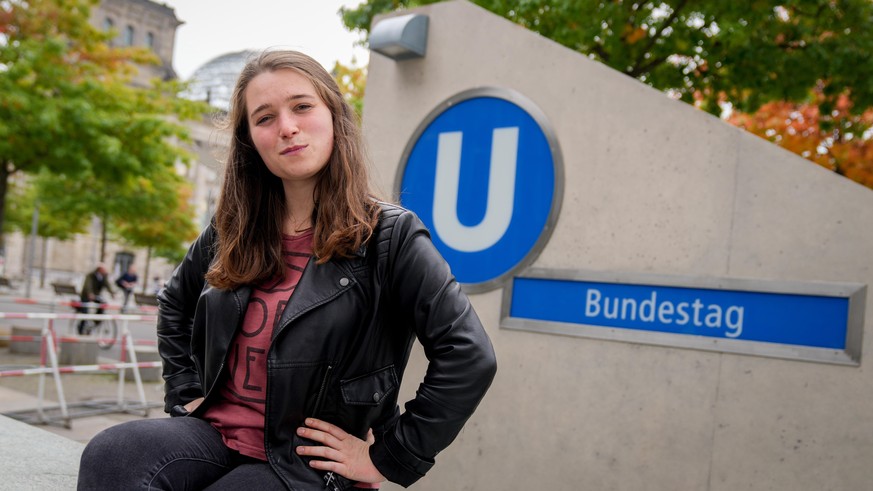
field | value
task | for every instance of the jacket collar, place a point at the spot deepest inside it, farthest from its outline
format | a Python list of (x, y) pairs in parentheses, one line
[(319, 284)]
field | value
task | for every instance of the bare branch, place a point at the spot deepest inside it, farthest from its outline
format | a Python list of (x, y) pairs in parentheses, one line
[(600, 52), (642, 69)]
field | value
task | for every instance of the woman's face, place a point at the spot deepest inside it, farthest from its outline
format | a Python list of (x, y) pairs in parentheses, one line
[(291, 127)]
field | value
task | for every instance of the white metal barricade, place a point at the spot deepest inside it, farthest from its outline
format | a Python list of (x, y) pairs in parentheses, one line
[(49, 365), (143, 309)]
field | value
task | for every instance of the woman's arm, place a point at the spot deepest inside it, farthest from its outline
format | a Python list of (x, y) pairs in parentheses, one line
[(176, 305), (461, 359)]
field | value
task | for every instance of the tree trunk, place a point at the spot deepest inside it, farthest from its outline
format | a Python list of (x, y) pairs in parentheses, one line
[(103, 240), (5, 172), (145, 276)]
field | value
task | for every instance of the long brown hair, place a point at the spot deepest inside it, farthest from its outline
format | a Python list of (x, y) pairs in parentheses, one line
[(251, 208)]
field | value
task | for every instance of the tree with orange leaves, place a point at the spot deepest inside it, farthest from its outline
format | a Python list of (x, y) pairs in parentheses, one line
[(67, 109), (839, 140)]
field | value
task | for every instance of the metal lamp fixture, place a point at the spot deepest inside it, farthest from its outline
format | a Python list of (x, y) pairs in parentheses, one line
[(401, 37)]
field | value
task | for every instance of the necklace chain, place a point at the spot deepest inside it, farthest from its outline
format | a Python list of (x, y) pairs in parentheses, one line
[(300, 226)]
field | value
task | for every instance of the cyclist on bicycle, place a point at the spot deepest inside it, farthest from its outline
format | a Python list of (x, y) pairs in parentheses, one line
[(94, 284)]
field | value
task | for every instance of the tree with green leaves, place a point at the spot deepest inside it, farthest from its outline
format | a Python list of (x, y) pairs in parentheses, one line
[(712, 53), (165, 233), (60, 219), (67, 107), (127, 208), (746, 52)]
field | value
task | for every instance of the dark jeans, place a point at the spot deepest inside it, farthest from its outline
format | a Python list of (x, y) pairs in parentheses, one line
[(183, 453), (127, 292)]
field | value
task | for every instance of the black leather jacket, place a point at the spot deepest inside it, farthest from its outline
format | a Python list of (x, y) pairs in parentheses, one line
[(340, 350)]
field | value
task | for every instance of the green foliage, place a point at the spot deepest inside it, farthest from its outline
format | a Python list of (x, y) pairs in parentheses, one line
[(18, 214), (361, 17), (710, 51), (352, 81), (160, 217), (61, 215), (174, 255), (69, 115)]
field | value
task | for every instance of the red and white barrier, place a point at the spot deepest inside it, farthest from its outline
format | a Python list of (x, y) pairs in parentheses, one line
[(71, 315), (49, 359), (72, 339), (79, 368), (76, 303)]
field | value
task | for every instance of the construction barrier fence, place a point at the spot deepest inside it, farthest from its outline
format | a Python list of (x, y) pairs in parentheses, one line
[(49, 344)]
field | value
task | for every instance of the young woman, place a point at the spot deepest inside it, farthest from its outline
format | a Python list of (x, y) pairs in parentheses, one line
[(285, 331)]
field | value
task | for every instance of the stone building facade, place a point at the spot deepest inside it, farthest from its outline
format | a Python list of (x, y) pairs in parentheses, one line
[(142, 23)]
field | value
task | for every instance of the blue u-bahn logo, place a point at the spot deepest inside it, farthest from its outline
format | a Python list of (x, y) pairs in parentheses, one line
[(483, 172)]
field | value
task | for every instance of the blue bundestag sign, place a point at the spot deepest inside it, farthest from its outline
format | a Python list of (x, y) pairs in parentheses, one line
[(776, 318), (818, 322), (483, 174)]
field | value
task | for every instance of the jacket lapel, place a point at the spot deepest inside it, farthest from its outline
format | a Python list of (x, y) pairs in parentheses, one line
[(319, 284), (243, 293), (232, 306)]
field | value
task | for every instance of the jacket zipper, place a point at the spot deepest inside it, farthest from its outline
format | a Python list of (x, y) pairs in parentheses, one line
[(320, 398), (329, 478), (329, 483)]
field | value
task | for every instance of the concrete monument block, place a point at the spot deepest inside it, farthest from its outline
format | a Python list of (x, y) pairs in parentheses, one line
[(650, 186), (81, 352), (26, 347)]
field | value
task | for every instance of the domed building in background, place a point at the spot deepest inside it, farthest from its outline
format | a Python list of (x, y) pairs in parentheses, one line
[(213, 82)]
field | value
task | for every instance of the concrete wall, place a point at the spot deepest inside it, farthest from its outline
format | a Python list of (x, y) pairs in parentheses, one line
[(655, 186)]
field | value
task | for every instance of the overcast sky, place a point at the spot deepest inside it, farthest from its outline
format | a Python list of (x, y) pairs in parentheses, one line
[(215, 27)]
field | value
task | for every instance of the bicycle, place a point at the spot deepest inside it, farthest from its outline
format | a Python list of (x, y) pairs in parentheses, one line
[(105, 330)]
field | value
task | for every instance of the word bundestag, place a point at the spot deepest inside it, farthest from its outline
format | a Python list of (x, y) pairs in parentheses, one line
[(695, 313)]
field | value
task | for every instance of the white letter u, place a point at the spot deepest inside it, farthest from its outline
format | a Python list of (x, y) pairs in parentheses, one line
[(501, 191)]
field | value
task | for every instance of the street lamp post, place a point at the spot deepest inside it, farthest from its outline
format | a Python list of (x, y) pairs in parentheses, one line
[(34, 224)]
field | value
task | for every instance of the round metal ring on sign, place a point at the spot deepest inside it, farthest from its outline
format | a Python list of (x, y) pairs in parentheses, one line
[(484, 173)]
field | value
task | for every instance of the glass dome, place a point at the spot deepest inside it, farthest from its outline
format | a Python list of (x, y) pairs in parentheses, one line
[(213, 82)]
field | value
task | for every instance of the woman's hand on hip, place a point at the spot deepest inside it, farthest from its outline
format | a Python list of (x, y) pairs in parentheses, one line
[(345, 454)]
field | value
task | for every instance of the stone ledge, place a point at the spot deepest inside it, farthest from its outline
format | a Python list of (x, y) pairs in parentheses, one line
[(32, 458)]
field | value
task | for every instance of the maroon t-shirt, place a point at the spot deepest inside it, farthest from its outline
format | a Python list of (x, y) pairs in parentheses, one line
[(239, 413)]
